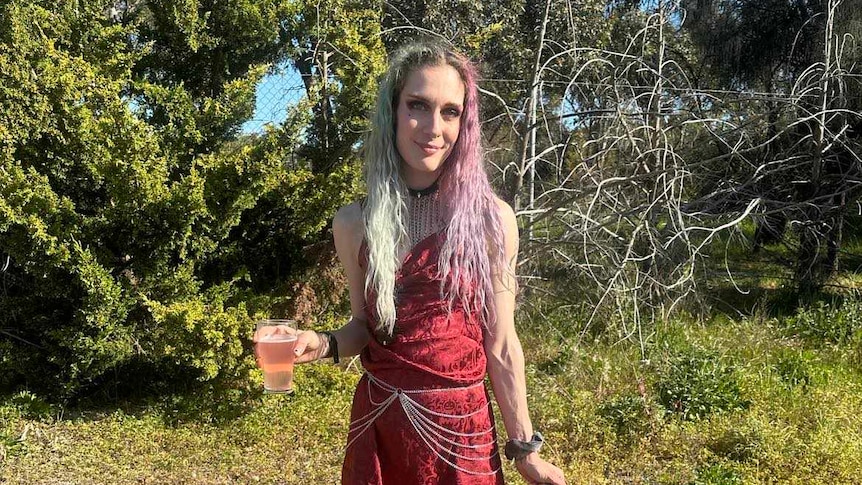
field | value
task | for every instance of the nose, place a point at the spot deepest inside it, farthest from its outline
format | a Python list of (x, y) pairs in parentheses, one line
[(434, 126)]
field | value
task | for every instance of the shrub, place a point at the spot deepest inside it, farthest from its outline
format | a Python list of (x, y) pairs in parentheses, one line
[(142, 229), (694, 382), (825, 323), (30, 406), (717, 474), (794, 368), (627, 415)]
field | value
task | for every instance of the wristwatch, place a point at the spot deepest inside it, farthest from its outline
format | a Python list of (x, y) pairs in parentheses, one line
[(517, 449)]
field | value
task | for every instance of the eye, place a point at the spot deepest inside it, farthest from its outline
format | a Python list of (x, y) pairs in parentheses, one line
[(451, 112), (416, 105)]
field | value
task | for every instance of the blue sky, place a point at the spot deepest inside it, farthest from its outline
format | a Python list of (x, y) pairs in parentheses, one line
[(275, 93)]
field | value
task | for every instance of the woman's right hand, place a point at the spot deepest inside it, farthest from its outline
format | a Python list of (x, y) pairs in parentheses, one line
[(310, 345)]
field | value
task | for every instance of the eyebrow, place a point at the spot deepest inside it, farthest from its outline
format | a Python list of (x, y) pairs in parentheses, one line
[(428, 101)]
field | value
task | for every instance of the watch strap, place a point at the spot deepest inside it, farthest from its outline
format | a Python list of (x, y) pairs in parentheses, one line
[(333, 347), (518, 449)]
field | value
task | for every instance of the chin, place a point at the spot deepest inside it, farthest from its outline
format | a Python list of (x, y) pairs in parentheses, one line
[(426, 166)]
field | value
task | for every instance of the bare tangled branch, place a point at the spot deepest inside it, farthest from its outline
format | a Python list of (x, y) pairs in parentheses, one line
[(639, 173)]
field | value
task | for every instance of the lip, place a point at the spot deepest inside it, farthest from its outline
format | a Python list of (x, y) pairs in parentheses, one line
[(429, 148)]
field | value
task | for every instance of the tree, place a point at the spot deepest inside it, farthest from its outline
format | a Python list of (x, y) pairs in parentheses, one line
[(804, 134), (127, 191)]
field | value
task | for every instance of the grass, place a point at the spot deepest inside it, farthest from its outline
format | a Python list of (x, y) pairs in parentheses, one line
[(759, 393), (598, 404), (284, 439)]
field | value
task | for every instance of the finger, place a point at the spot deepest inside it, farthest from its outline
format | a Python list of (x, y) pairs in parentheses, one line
[(553, 479), (278, 330), (556, 477), (553, 476), (262, 333), (306, 343), (302, 343), (257, 357)]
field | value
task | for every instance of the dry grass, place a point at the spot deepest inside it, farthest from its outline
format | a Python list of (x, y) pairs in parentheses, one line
[(802, 424)]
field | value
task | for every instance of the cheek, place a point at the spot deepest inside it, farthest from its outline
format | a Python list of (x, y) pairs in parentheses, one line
[(403, 120), (453, 132), (406, 126), (401, 128)]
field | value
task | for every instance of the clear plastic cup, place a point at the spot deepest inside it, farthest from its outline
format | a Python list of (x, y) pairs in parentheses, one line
[(275, 341)]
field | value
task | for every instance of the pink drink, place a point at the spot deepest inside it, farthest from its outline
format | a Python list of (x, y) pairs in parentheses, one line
[(276, 359)]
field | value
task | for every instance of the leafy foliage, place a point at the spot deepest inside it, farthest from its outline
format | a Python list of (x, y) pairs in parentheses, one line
[(717, 475), (738, 445), (795, 368), (143, 229), (627, 414), (695, 382), (827, 324), (30, 406)]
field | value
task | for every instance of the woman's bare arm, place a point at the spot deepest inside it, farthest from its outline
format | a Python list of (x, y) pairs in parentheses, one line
[(502, 346), (506, 358), (347, 231)]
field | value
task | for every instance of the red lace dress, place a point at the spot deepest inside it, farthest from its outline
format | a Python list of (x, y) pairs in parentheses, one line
[(421, 413)]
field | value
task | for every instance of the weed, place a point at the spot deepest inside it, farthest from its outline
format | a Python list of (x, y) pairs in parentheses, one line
[(694, 382), (558, 364), (824, 323), (737, 445), (10, 446), (627, 415), (31, 406), (794, 368), (717, 474)]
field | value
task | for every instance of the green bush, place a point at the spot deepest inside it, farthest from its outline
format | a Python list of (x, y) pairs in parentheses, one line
[(627, 414), (717, 475), (30, 406), (795, 368), (10, 446), (143, 229), (694, 382), (826, 323)]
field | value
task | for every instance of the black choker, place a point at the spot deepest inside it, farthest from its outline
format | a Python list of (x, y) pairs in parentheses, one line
[(423, 192)]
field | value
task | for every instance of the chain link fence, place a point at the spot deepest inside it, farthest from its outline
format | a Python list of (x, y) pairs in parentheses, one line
[(277, 92)]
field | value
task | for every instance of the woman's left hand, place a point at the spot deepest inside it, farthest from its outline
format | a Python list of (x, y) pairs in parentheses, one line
[(537, 471)]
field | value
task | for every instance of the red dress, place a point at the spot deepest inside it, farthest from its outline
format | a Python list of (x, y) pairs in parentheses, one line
[(421, 413)]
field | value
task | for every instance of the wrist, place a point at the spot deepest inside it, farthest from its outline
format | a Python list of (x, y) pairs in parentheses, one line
[(530, 458), (520, 449), (331, 346), (323, 348)]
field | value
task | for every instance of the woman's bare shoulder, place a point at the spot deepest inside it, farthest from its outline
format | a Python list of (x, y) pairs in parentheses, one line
[(507, 216), (348, 221)]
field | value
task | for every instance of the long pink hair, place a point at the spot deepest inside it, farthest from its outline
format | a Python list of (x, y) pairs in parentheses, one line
[(470, 209)]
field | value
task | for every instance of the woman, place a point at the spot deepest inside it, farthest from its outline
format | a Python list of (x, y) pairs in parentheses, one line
[(430, 258)]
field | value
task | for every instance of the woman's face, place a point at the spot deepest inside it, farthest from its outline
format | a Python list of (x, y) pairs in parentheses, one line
[(428, 122)]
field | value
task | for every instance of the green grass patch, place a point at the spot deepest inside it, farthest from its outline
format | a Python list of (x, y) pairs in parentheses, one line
[(759, 401)]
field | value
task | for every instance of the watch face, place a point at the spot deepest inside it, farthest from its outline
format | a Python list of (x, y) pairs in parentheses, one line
[(516, 449)]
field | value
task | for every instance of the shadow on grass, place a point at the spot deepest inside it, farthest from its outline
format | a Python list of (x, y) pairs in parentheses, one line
[(767, 302), (139, 390)]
